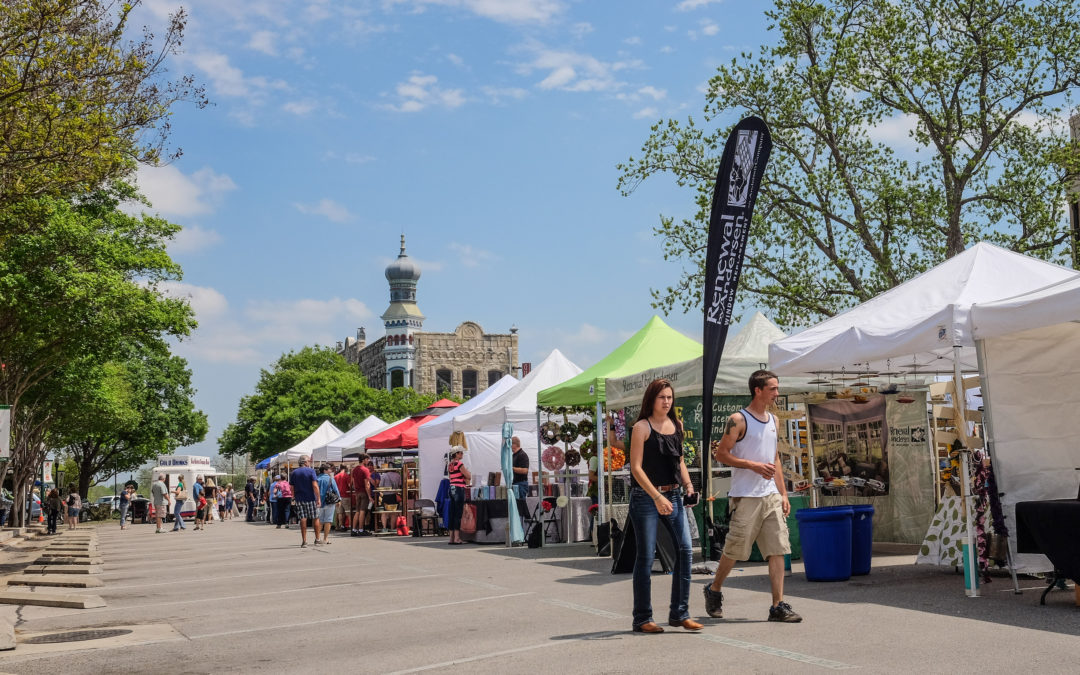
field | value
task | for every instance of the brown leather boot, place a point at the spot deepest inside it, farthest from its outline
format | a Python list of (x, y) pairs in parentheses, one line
[(649, 627), (688, 624)]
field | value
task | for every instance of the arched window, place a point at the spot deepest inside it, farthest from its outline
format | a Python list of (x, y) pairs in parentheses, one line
[(494, 376), (397, 378), (468, 383), (443, 382)]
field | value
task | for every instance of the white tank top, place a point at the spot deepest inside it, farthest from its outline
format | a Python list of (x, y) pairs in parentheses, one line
[(757, 445)]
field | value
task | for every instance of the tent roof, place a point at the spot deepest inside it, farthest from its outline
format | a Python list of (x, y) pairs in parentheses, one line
[(1046, 306), (318, 438), (401, 435), (744, 353), (518, 405), (919, 321), (656, 344), (332, 450), (495, 391)]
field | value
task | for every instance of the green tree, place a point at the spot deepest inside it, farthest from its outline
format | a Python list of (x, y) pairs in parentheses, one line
[(79, 284), (80, 102), (299, 392), (841, 216), (131, 411)]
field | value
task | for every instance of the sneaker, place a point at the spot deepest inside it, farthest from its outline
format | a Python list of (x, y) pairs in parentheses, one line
[(366, 533), (303, 545), (714, 601), (783, 612)]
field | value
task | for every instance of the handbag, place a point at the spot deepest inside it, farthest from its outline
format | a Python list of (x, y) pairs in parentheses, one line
[(468, 519), (332, 497), (182, 495)]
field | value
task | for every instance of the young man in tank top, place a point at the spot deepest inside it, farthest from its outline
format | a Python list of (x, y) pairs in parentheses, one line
[(758, 496)]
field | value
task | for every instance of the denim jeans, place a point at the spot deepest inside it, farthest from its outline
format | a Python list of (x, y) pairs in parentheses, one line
[(457, 506), (179, 519), (521, 490), (124, 513), (646, 519)]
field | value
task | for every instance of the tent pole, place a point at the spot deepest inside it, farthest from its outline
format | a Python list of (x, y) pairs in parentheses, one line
[(960, 404), (539, 474), (988, 435), (601, 493), (814, 496)]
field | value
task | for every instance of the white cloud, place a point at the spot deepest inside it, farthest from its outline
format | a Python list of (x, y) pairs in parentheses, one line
[(581, 29), (264, 41), (632, 40), (421, 91), (468, 256), (228, 80), (350, 157), (505, 11), (328, 208), (574, 71), (646, 112), (499, 94), (455, 59), (193, 238), (709, 27), (172, 193), (667, 49), (299, 108), (263, 328), (653, 92), (894, 131), (690, 5)]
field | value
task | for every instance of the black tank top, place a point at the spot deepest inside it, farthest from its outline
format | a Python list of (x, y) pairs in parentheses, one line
[(658, 463)]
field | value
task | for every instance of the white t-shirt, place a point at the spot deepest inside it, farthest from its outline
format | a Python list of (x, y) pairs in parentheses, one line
[(757, 445)]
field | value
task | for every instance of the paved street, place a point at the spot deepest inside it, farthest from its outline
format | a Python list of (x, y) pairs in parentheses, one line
[(241, 598)]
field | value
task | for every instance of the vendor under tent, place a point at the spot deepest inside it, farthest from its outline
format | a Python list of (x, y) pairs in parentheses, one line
[(483, 425), (923, 325), (331, 451), (433, 437), (655, 344), (321, 436), (1028, 346)]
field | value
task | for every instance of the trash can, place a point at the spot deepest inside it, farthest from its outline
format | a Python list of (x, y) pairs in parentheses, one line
[(825, 534), (862, 538)]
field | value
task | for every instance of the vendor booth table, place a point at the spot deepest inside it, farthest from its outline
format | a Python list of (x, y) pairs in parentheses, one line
[(1052, 528), (563, 524)]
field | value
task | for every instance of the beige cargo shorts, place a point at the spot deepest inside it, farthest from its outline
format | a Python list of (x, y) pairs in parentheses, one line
[(759, 519)]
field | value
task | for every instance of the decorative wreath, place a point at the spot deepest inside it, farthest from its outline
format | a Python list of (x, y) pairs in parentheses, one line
[(547, 505), (573, 457), (568, 433), (586, 427), (549, 432), (614, 459), (588, 448), (553, 458), (689, 452)]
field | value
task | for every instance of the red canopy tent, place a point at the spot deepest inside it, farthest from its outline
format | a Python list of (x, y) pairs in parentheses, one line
[(404, 434)]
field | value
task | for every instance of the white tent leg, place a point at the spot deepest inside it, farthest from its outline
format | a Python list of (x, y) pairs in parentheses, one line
[(988, 436), (601, 493), (960, 404), (539, 472)]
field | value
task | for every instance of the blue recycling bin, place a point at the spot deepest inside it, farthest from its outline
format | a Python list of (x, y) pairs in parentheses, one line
[(825, 534), (862, 538)]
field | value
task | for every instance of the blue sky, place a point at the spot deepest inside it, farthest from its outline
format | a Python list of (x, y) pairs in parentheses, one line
[(486, 131)]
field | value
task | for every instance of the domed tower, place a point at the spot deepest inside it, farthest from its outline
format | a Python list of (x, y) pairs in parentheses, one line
[(402, 319)]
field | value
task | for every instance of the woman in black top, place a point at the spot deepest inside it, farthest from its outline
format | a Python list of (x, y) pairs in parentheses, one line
[(659, 479)]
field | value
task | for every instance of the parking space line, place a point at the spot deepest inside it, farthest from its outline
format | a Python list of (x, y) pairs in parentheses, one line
[(355, 616), (773, 651), (504, 652), (278, 572)]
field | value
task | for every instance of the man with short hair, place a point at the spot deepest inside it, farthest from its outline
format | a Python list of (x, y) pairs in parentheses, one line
[(251, 499), (159, 495), (306, 499), (758, 496), (521, 469), (327, 488), (197, 491), (361, 496)]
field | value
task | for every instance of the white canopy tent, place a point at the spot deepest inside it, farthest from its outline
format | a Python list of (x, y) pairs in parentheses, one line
[(924, 324), (433, 437), (920, 321), (1028, 347), (321, 436), (331, 451), (517, 405)]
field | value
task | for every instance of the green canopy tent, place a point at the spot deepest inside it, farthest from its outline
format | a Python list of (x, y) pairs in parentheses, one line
[(656, 344)]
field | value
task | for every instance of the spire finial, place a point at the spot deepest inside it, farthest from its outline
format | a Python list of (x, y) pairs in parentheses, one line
[(402, 245)]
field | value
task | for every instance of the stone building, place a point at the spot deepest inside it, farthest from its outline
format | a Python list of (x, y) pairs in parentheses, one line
[(464, 362)]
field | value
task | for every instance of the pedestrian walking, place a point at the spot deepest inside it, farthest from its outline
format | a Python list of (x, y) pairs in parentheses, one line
[(459, 480), (659, 485), (758, 496), (159, 495), (306, 500), (198, 493), (328, 491), (125, 504), (53, 505), (180, 496), (251, 499), (74, 506)]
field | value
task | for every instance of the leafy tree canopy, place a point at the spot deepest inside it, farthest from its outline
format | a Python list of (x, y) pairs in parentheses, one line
[(80, 102), (844, 215), (302, 390)]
